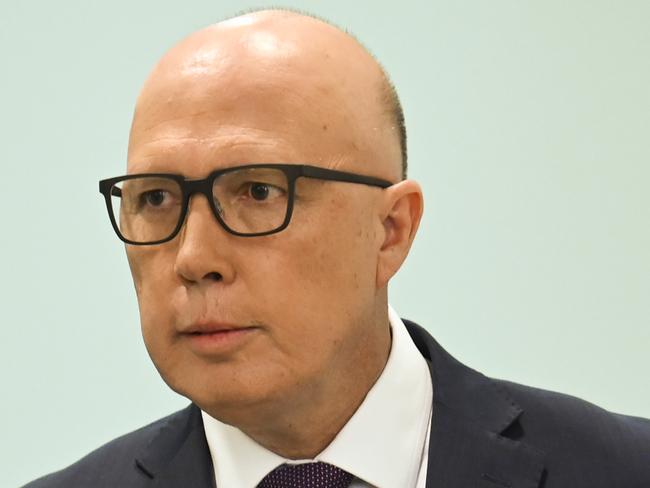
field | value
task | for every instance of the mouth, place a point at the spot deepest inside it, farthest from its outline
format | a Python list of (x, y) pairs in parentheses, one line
[(217, 339), (212, 328)]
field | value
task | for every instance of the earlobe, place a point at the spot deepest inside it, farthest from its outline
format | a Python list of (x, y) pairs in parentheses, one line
[(401, 218)]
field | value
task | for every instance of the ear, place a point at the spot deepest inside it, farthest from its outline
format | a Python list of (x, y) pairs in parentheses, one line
[(402, 211)]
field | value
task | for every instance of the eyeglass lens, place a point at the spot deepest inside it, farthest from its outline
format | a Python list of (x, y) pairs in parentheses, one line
[(249, 201)]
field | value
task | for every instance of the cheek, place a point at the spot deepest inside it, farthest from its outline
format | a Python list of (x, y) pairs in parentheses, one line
[(153, 277), (338, 252), (324, 266)]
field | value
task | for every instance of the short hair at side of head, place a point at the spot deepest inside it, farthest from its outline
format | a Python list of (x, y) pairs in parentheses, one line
[(396, 114), (387, 91)]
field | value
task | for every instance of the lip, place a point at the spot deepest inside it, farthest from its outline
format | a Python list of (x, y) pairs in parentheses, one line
[(217, 339), (211, 327)]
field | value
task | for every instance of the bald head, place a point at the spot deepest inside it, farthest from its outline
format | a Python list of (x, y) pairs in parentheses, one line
[(278, 70)]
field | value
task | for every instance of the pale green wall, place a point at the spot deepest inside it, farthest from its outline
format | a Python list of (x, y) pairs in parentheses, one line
[(529, 131)]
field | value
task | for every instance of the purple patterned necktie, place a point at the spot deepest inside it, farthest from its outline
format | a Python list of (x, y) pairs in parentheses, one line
[(306, 475)]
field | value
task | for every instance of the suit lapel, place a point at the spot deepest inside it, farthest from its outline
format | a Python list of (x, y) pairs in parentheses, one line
[(177, 455), (470, 414)]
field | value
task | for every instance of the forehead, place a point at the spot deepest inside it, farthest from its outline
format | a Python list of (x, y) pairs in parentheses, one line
[(251, 95), (202, 141)]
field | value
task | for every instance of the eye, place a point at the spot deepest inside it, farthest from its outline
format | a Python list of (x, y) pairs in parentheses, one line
[(259, 191), (153, 198)]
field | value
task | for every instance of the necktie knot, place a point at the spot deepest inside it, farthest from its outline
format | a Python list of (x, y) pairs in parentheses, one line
[(307, 475)]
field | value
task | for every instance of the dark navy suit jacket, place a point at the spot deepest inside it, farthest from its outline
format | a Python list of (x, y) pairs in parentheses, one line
[(485, 433)]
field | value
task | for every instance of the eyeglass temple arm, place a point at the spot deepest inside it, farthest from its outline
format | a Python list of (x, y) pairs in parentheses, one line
[(343, 176)]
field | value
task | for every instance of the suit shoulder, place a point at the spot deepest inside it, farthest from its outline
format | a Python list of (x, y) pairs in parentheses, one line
[(573, 431), (570, 412), (110, 465)]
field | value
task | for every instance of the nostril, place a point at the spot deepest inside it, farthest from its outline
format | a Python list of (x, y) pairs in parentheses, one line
[(214, 276)]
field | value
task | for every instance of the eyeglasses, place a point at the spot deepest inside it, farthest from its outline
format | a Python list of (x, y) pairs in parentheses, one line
[(248, 201)]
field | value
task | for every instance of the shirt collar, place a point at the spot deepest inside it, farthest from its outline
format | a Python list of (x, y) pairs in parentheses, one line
[(382, 443)]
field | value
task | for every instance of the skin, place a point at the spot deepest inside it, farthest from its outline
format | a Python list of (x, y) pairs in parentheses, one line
[(274, 87)]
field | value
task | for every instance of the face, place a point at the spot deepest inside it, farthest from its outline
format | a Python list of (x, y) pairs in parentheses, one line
[(235, 322)]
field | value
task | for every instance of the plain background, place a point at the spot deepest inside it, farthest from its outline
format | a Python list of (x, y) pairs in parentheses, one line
[(529, 129)]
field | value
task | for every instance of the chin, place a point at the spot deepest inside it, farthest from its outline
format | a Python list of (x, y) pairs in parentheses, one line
[(237, 410), (230, 400)]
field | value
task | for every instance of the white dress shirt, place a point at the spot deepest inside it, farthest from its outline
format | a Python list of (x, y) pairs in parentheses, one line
[(384, 444)]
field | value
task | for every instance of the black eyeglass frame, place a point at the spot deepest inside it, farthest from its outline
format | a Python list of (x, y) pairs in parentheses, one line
[(205, 185)]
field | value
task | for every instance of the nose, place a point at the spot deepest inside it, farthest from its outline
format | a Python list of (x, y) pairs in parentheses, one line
[(204, 255)]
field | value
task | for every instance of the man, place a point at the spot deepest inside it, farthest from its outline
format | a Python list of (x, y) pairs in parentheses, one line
[(265, 210)]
